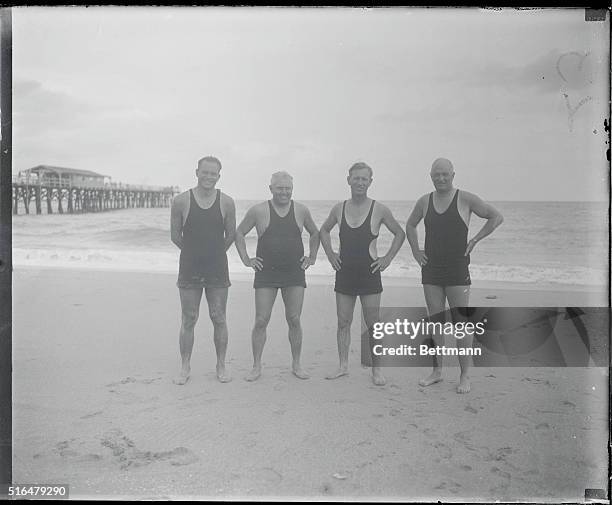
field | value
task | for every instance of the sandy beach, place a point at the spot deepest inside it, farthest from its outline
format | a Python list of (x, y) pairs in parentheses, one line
[(94, 406)]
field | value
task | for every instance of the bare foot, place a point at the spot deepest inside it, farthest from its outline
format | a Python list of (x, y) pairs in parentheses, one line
[(299, 373), (222, 375), (253, 374), (435, 376), (338, 373), (183, 377), (378, 378), (464, 385)]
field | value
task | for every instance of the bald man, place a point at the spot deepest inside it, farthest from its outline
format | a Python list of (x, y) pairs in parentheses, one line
[(279, 264), (444, 262)]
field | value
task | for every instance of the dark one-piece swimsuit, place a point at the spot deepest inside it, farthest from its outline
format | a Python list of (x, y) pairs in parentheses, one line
[(281, 249), (355, 276), (445, 245), (203, 260)]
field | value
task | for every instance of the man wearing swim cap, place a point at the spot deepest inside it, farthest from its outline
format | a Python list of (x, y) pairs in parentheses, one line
[(279, 263), (445, 259)]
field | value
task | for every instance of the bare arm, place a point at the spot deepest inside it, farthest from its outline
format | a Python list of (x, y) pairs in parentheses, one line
[(411, 232), (330, 222), (398, 239), (230, 223), (485, 211), (313, 243), (176, 222), (247, 224)]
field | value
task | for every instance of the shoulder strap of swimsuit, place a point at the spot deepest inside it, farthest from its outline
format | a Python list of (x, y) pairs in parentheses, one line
[(369, 218), (273, 213), (429, 205)]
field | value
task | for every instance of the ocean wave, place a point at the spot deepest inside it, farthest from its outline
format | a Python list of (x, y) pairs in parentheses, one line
[(563, 274), (162, 261)]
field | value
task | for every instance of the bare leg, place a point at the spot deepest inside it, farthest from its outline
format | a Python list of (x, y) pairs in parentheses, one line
[(293, 297), (435, 298), (264, 301), (345, 306), (217, 303), (190, 310), (370, 306), (459, 296)]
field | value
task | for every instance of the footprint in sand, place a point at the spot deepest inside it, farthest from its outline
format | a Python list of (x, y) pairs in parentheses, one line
[(471, 409), (542, 426), (268, 475), (500, 454), (132, 380), (128, 455), (395, 412), (537, 381), (445, 450), (96, 413), (149, 381), (428, 432), (463, 437), (451, 486), (503, 485), (65, 450)]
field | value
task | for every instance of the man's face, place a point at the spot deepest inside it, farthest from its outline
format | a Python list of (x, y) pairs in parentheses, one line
[(359, 180), (208, 174), (442, 178), (281, 190)]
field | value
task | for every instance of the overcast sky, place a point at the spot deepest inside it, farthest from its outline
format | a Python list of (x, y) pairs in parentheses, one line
[(141, 94)]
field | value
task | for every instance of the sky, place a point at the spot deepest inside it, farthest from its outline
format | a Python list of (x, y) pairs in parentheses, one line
[(140, 94)]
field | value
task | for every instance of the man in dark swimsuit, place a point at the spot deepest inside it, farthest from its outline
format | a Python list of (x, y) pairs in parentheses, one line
[(444, 262), (203, 226), (357, 265), (279, 264)]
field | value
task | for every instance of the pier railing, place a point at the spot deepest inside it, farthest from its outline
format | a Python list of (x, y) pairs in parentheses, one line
[(80, 198)]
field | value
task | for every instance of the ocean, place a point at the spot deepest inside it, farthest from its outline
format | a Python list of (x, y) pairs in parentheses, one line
[(539, 242)]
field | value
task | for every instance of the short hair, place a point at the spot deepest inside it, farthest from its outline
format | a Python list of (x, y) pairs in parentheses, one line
[(280, 175), (210, 159), (361, 165)]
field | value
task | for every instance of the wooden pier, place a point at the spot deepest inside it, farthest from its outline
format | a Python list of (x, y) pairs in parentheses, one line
[(73, 199)]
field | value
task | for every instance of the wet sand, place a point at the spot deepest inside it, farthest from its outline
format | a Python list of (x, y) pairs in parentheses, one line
[(94, 406)]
